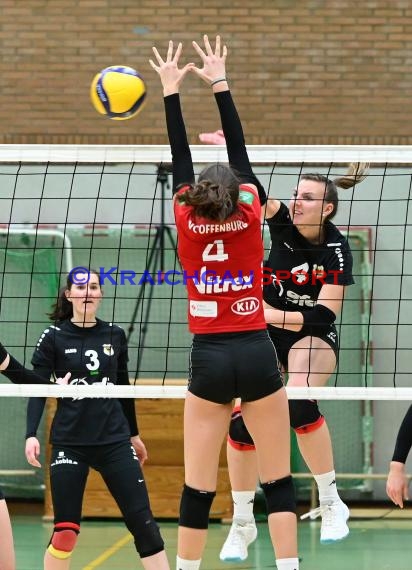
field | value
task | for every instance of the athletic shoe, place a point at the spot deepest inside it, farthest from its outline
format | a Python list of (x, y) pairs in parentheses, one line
[(240, 536), (334, 516)]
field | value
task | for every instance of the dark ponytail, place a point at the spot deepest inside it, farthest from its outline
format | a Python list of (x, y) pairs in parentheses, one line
[(216, 194), (62, 309)]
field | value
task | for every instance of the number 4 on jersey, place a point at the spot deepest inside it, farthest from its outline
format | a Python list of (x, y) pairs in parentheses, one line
[(218, 247)]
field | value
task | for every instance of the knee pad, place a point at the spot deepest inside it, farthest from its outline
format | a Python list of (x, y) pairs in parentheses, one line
[(280, 495), (305, 416), (146, 533), (195, 508), (63, 540), (238, 436)]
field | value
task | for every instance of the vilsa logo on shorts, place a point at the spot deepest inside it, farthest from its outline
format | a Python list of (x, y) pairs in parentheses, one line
[(245, 306)]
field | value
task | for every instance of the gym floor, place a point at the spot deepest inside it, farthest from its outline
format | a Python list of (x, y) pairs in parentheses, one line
[(373, 544)]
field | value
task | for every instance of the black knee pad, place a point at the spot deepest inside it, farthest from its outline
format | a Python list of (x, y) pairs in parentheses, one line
[(239, 437), (280, 495), (195, 507), (145, 531), (305, 415)]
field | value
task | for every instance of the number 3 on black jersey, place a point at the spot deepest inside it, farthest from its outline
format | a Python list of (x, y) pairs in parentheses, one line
[(94, 363)]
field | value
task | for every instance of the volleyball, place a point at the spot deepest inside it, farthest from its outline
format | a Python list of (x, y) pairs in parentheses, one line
[(118, 92)]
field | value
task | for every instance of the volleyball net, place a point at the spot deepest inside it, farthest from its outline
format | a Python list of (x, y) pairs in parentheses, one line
[(110, 208)]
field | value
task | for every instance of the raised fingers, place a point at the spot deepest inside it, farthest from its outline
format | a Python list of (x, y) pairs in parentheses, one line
[(170, 51), (169, 56), (217, 46), (224, 52), (198, 49), (178, 52), (158, 57), (208, 47)]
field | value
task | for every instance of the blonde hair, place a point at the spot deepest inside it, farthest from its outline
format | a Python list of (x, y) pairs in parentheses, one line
[(357, 171)]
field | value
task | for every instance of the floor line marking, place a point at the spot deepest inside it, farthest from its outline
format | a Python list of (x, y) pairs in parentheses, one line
[(108, 552)]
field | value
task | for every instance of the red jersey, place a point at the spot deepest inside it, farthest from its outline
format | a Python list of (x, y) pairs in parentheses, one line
[(222, 266)]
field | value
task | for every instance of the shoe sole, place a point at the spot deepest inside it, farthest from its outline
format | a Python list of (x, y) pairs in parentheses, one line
[(333, 540)]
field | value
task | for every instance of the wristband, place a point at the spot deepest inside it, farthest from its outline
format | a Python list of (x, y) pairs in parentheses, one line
[(218, 80), (317, 321)]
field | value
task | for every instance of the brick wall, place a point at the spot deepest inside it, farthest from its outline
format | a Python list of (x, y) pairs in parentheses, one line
[(302, 71)]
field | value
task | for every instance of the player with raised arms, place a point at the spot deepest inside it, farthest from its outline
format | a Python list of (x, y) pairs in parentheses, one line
[(218, 224)]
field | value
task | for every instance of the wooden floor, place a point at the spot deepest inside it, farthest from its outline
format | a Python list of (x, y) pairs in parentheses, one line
[(373, 544)]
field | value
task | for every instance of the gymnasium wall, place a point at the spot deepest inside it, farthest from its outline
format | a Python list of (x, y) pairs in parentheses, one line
[(303, 72)]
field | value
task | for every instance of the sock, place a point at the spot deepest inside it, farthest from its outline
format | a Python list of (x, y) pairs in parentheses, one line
[(287, 563), (243, 505), (327, 487), (182, 564)]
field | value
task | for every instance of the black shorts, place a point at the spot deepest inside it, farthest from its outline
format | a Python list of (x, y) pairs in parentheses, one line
[(1, 495), (284, 340), (233, 365)]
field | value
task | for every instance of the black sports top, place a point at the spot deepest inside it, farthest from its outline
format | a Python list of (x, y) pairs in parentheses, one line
[(94, 355), (296, 264)]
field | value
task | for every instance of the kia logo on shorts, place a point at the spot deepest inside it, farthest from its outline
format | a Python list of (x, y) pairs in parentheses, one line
[(245, 306)]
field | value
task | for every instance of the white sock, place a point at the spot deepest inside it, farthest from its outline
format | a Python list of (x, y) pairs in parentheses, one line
[(243, 505), (327, 487), (182, 564), (287, 563)]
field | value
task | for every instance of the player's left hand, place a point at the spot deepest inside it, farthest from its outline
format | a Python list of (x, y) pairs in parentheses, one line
[(397, 485), (139, 448), (214, 61)]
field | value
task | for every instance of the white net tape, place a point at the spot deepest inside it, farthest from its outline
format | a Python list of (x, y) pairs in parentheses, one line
[(383, 154), (173, 392)]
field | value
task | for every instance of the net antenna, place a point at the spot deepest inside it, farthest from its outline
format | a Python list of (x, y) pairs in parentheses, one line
[(155, 264)]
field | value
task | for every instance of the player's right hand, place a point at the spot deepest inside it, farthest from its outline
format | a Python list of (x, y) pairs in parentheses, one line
[(170, 74), (65, 380), (32, 451)]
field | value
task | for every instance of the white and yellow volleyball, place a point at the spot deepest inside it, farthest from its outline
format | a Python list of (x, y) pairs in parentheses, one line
[(118, 92)]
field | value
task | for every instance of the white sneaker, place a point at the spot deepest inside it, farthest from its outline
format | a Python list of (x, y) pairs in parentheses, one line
[(240, 536), (334, 516)]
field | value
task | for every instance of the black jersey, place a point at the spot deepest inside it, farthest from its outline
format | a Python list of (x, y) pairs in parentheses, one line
[(94, 355), (297, 269)]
